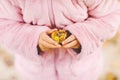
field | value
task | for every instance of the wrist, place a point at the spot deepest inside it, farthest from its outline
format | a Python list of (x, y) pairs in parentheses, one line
[(39, 50), (77, 50)]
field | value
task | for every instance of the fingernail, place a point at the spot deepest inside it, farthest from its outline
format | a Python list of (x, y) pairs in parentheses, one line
[(56, 43), (55, 29), (62, 42), (59, 45)]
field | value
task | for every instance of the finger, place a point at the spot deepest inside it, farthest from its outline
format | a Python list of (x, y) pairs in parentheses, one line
[(71, 44), (50, 31), (43, 48), (48, 45), (49, 40), (69, 39), (76, 46)]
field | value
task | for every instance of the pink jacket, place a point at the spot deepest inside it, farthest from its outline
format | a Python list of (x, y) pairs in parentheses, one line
[(91, 21)]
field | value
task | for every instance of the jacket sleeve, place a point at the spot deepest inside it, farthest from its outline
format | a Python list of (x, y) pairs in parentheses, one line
[(20, 37), (101, 24)]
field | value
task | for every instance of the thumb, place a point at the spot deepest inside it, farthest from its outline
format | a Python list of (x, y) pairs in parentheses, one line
[(50, 31)]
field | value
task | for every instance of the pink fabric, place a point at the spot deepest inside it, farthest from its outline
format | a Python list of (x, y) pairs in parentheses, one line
[(91, 21)]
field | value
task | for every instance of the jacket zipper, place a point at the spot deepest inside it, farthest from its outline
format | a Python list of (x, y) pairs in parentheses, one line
[(53, 25), (51, 14)]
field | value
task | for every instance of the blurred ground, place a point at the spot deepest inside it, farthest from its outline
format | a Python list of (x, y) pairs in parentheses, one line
[(111, 55), (7, 69)]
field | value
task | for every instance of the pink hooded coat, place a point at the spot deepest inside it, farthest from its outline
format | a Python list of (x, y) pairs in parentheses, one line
[(91, 21)]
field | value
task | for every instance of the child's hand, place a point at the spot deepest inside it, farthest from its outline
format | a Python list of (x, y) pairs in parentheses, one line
[(71, 42), (45, 42)]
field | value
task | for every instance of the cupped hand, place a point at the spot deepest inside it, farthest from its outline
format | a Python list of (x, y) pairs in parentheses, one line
[(71, 42), (45, 42)]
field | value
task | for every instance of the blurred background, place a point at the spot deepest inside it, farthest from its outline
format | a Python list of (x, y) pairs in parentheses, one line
[(111, 55)]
